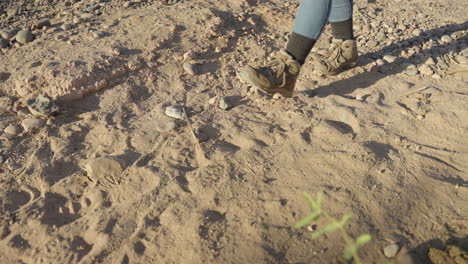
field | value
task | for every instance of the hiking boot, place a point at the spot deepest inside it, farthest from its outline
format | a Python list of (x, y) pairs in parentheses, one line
[(342, 54), (279, 76)]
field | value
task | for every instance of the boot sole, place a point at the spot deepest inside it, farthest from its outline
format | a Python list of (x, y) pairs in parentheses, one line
[(346, 67), (244, 76)]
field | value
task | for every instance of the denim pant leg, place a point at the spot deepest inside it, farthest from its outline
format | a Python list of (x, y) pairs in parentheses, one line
[(341, 10), (311, 18)]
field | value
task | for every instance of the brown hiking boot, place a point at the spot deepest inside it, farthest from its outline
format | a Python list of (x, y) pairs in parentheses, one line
[(279, 76), (342, 54)]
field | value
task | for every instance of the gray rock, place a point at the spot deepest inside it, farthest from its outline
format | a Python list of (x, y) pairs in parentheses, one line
[(8, 34), (446, 39), (224, 104), (391, 251), (42, 106), (99, 34), (175, 112), (66, 27), (464, 52), (417, 32), (24, 36), (390, 58), (12, 130), (411, 72), (380, 62), (430, 61), (41, 24), (86, 16), (4, 43), (190, 68), (31, 124), (456, 35)]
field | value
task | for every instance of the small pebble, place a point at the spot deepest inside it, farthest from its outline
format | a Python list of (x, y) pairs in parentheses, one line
[(224, 104), (11, 130), (417, 32), (24, 36), (446, 39), (430, 61), (30, 124), (175, 112), (411, 72), (389, 58), (391, 251), (98, 34), (213, 100), (190, 68), (277, 96), (380, 62), (436, 76), (4, 43)]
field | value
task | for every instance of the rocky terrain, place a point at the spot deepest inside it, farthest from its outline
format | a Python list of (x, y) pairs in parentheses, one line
[(127, 137)]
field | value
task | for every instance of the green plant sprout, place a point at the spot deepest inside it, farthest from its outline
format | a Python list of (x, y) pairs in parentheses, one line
[(352, 245)]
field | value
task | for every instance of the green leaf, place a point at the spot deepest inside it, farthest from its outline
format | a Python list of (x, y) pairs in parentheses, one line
[(311, 202), (328, 228), (349, 251), (319, 199), (345, 219), (306, 220), (362, 240)]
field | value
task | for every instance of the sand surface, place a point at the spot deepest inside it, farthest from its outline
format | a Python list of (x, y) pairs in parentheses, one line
[(112, 179)]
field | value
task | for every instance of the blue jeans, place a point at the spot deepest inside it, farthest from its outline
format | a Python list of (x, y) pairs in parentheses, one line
[(313, 15)]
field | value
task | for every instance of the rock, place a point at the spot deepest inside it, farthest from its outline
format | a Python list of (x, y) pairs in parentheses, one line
[(24, 36), (390, 251), (50, 121), (430, 61), (411, 72), (380, 62), (42, 106), (86, 16), (371, 44), (436, 76), (31, 124), (99, 34), (66, 26), (41, 24), (456, 35), (390, 58), (426, 70), (446, 39), (12, 130), (190, 68), (4, 43), (8, 34), (464, 52), (277, 96), (224, 104), (213, 100), (175, 112), (104, 168), (417, 32), (190, 55)]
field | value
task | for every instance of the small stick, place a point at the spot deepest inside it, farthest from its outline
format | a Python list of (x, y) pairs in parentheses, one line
[(193, 133)]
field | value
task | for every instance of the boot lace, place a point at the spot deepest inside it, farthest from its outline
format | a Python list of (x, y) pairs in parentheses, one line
[(277, 68)]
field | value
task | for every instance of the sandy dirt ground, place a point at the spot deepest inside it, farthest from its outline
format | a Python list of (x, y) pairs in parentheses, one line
[(112, 178)]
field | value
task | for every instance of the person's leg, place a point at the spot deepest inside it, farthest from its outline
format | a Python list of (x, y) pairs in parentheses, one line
[(311, 18), (341, 19), (343, 50), (281, 75)]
